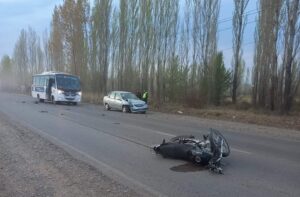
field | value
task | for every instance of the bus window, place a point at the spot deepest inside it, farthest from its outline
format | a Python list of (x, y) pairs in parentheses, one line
[(37, 81), (40, 81), (43, 81), (33, 80), (46, 80)]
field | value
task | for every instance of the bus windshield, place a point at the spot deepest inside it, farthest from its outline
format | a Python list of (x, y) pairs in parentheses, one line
[(68, 82)]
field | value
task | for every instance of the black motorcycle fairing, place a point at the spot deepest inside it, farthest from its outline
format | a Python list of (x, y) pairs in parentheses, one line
[(175, 150), (183, 151), (208, 151)]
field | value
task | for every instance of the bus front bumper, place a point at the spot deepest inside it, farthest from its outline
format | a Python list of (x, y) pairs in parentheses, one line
[(63, 98)]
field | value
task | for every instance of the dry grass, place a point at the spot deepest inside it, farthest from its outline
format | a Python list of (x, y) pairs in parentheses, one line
[(92, 98), (242, 112)]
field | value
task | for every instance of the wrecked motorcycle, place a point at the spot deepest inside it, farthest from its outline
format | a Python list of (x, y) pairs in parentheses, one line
[(208, 151)]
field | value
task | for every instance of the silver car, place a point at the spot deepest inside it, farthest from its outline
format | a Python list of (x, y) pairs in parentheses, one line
[(125, 101)]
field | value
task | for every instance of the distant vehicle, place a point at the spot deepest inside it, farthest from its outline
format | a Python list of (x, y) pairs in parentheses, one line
[(125, 101), (56, 87)]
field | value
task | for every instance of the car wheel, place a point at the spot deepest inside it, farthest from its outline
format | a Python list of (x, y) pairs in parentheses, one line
[(107, 107), (125, 109)]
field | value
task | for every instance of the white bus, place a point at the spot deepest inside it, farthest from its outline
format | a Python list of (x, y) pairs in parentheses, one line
[(56, 87)]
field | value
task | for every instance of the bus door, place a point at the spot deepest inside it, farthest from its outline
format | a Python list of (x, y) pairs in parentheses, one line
[(50, 84)]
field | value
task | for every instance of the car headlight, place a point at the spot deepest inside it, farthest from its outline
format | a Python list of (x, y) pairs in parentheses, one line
[(60, 91), (79, 93)]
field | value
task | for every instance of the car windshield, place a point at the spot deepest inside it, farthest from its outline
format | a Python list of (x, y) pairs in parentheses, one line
[(68, 82), (128, 95)]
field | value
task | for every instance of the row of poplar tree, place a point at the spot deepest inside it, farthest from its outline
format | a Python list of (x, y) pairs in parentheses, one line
[(167, 47)]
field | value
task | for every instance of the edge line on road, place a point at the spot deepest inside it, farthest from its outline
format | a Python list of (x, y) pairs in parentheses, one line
[(240, 151), (111, 172)]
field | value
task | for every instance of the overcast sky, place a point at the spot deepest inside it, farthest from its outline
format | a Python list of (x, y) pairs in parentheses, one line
[(18, 14)]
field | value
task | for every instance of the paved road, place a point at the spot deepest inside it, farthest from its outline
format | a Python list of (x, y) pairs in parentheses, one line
[(264, 161)]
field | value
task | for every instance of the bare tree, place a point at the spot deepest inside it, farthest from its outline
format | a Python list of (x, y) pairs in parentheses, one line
[(46, 50), (40, 56), (6, 73), (274, 37), (101, 42), (209, 15), (265, 68), (145, 34), (32, 50), (74, 19), (238, 23), (184, 51), (290, 50), (123, 34), (114, 49), (20, 58), (56, 43)]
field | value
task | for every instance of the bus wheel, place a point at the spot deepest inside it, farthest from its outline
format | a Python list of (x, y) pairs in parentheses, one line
[(53, 100)]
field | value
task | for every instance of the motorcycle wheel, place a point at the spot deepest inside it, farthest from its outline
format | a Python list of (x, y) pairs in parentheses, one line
[(197, 159)]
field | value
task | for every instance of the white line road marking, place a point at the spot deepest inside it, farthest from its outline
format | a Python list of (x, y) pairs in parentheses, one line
[(240, 151), (110, 171), (151, 130), (164, 134)]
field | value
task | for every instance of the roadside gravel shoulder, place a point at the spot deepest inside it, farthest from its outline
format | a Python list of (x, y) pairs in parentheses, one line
[(32, 166)]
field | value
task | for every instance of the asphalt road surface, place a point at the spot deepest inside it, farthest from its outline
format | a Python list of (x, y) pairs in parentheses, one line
[(264, 161)]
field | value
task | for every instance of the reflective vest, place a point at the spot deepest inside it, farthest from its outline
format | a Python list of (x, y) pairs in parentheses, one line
[(145, 95)]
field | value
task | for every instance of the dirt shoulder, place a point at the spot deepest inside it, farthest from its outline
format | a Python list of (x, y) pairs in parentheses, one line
[(249, 116), (33, 166)]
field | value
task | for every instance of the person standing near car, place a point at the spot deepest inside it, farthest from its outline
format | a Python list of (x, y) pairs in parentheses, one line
[(145, 97)]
